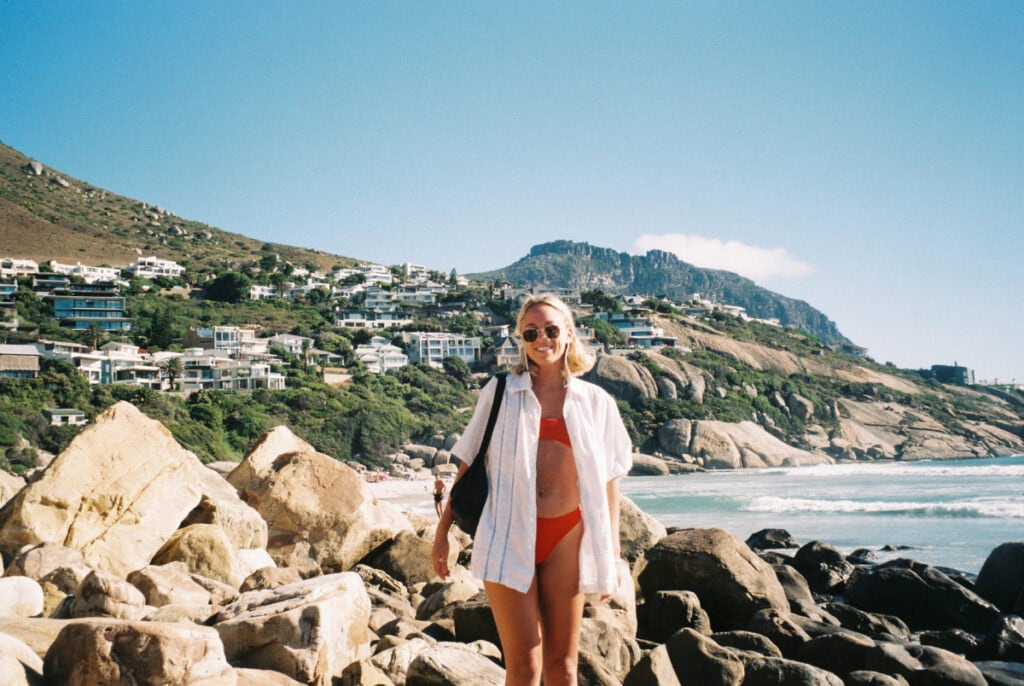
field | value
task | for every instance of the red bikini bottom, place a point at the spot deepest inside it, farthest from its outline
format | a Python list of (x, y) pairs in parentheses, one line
[(551, 531)]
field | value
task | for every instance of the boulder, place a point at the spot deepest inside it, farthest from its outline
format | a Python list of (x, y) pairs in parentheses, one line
[(474, 620), (1001, 579), (454, 664), (779, 627), (610, 644), (798, 593), (772, 671), (732, 582), (40, 561), (771, 539), (824, 567), (18, 663), (864, 677), (920, 595), (843, 653), (103, 595), (20, 596), (724, 444), (206, 550), (221, 505), (877, 626), (393, 658), (653, 669), (10, 484), (116, 493), (267, 578), (648, 465), (1004, 641), (800, 407), (258, 464), (666, 612), (309, 631), (321, 513), (747, 641), (696, 659), (638, 530), (406, 557), (169, 584), (623, 378), (110, 652), (674, 436)]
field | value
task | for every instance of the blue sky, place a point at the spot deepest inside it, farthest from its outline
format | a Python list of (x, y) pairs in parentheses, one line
[(865, 157)]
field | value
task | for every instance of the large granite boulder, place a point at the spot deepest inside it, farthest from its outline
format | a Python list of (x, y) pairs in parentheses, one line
[(220, 505), (454, 664), (309, 631), (638, 530), (696, 659), (320, 512), (920, 595), (20, 597), (206, 550), (623, 378), (736, 445), (824, 567), (406, 557), (169, 584), (653, 669), (1001, 579), (116, 493), (19, 666), (10, 484), (110, 652), (732, 582), (103, 595)]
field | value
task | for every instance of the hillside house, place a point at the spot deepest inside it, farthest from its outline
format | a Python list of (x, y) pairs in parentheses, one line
[(8, 305), (236, 340), (290, 342), (216, 370), (12, 266), (86, 272), (65, 417), (381, 356), (362, 318), (431, 348), (19, 361), (80, 306), (153, 267)]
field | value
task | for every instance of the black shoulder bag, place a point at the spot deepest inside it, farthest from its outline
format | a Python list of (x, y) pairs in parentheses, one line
[(470, 490)]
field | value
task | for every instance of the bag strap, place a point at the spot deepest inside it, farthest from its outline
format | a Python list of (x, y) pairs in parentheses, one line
[(499, 393)]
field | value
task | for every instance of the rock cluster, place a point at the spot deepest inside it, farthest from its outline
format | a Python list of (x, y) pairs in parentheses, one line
[(129, 562)]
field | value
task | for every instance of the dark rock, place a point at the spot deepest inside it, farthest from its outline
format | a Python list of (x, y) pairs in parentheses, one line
[(775, 671), (1001, 673), (878, 626), (843, 653), (862, 556), (940, 667), (766, 539), (775, 558), (1001, 579), (780, 629), (730, 580), (824, 567), (653, 669), (748, 641), (866, 678), (920, 595), (1004, 641), (696, 659), (798, 593), (953, 640), (474, 620), (591, 671), (666, 612)]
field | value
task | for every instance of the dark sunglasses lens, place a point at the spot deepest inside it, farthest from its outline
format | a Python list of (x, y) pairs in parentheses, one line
[(530, 335), (552, 331)]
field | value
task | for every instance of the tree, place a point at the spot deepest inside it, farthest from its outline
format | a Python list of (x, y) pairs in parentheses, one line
[(172, 368), (230, 287), (268, 262)]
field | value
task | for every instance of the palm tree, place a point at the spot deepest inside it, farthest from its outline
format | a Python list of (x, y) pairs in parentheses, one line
[(172, 368)]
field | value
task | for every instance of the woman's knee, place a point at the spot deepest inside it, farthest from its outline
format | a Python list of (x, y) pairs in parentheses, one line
[(524, 668), (559, 670)]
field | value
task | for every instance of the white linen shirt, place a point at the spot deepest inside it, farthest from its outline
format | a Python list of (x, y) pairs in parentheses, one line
[(503, 548)]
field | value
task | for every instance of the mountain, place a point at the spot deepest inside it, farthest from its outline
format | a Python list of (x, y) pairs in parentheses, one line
[(48, 215), (567, 264)]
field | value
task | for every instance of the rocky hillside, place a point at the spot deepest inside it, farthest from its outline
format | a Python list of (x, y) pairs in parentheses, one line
[(48, 215), (566, 264), (740, 403)]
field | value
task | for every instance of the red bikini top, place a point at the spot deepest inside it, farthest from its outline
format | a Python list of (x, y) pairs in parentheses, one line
[(553, 429)]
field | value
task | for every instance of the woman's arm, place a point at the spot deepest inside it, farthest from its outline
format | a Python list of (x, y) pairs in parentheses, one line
[(612, 489)]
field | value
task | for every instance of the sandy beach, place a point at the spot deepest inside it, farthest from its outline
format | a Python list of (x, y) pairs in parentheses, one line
[(414, 495)]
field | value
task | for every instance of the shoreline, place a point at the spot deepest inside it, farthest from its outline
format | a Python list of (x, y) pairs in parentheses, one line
[(412, 495)]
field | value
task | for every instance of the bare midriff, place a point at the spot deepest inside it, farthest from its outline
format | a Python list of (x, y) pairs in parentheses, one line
[(557, 490)]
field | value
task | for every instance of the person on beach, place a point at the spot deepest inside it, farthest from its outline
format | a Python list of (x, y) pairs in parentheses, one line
[(549, 532), (438, 494)]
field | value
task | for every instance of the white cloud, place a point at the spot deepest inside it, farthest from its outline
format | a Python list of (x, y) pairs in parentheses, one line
[(750, 261)]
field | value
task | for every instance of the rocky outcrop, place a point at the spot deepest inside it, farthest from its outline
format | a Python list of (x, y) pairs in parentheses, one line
[(709, 609)]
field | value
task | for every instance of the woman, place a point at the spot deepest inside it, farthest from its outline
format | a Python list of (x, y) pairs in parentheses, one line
[(549, 532), (438, 494)]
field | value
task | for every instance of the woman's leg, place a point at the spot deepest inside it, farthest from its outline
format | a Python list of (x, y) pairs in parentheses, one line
[(517, 616), (561, 609)]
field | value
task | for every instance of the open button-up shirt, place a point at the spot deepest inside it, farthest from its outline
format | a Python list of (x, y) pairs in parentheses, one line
[(503, 548)]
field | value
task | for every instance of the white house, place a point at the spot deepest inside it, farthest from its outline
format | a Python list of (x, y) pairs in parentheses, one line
[(12, 266), (372, 319), (290, 342), (88, 273), (381, 356), (152, 267), (216, 370), (431, 348)]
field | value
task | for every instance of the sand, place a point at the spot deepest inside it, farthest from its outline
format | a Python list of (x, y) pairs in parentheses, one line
[(414, 495)]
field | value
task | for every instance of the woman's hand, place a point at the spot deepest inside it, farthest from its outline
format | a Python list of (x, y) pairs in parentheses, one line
[(439, 555)]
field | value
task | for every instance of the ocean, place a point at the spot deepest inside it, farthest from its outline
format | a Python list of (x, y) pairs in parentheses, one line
[(948, 513)]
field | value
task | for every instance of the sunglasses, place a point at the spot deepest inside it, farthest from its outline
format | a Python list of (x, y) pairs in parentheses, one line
[(551, 331)]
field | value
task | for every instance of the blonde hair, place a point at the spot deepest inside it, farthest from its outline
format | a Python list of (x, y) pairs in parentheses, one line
[(577, 359)]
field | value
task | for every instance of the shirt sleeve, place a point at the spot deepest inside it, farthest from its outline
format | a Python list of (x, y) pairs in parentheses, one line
[(466, 448), (617, 442)]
